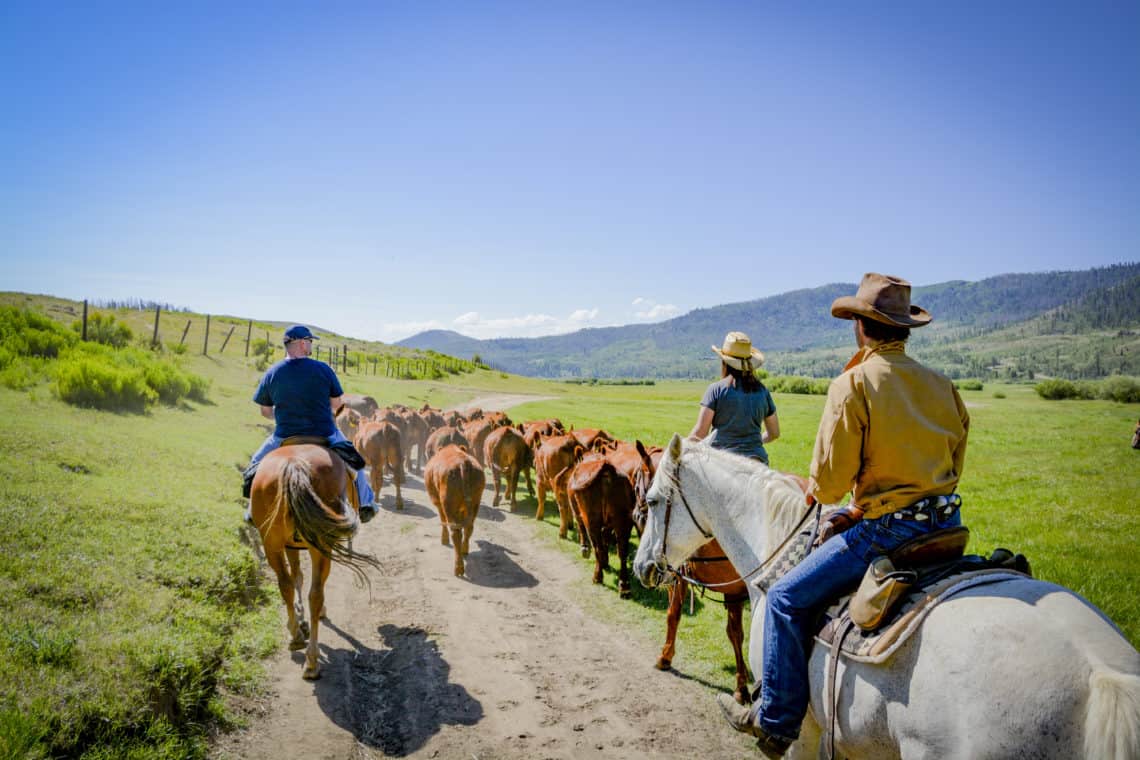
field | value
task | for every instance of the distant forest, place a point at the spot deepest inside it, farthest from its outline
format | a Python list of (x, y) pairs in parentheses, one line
[(1077, 324)]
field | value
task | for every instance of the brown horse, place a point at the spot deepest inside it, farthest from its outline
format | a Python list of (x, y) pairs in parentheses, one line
[(296, 504), (1136, 437)]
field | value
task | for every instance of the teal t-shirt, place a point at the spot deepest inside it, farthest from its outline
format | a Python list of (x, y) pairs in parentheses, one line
[(738, 417)]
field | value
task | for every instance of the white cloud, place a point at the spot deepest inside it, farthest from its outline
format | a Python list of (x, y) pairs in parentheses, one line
[(648, 310), (584, 315), (522, 326)]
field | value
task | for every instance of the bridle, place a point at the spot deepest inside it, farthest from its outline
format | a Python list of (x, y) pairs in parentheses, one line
[(662, 563)]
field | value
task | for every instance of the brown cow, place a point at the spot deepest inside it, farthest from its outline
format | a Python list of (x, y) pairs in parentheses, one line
[(453, 418), (415, 434), (433, 419), (347, 421), (454, 483), (379, 444), (507, 454), (388, 414), (365, 406), (444, 436), (499, 418), (553, 461), (476, 433), (1136, 437), (604, 501), (592, 439)]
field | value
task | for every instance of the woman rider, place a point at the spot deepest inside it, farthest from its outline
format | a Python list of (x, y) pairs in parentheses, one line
[(738, 407)]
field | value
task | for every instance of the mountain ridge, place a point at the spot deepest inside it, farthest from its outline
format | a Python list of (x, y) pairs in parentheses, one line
[(798, 334)]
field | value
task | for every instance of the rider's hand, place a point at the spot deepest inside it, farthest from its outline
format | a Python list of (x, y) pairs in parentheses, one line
[(809, 499), (837, 522)]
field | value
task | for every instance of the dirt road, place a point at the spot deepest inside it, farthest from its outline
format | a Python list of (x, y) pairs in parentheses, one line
[(508, 662)]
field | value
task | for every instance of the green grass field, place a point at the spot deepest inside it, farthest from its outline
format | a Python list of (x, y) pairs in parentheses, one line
[(135, 614)]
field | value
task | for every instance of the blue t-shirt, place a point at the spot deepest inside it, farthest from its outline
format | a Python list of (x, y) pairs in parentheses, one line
[(299, 391), (738, 417)]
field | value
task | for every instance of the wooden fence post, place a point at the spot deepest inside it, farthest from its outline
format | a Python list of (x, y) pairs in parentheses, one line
[(248, 334), (182, 340), (227, 340), (344, 362), (154, 340), (206, 340), (84, 319)]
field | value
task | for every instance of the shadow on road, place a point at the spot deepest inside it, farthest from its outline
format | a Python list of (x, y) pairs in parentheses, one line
[(396, 697), (493, 567)]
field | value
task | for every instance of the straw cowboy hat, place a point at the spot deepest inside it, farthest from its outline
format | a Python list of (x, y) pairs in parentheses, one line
[(738, 352), (883, 298)]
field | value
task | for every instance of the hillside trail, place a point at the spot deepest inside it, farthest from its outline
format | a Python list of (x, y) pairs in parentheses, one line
[(507, 662)]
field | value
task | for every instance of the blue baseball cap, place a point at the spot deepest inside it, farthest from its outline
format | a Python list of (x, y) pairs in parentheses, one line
[(297, 332)]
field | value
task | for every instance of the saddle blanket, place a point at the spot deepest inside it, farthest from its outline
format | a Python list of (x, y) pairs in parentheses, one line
[(877, 646)]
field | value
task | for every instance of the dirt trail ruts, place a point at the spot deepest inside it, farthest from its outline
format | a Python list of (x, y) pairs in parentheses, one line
[(503, 663)]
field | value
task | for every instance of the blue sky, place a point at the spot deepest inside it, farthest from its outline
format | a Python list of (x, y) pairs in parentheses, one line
[(529, 168)]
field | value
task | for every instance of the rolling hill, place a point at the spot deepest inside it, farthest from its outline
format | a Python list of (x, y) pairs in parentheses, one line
[(1082, 323)]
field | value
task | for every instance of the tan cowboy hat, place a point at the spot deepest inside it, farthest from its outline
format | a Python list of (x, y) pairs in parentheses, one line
[(883, 298), (738, 352)]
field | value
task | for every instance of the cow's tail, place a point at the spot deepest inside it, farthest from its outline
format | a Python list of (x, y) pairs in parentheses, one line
[(1112, 719), (325, 529)]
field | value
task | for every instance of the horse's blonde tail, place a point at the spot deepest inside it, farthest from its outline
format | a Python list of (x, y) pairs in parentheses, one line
[(325, 529), (1112, 722)]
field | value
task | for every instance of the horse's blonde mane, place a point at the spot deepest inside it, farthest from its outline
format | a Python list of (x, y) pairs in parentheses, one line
[(783, 497)]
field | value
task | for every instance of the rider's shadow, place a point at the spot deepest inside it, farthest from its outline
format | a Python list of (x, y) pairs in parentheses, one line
[(396, 697), (411, 508)]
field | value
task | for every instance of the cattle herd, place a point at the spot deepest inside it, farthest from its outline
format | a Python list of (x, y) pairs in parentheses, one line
[(597, 483)]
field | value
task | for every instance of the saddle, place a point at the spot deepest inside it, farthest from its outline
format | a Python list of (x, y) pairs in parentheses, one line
[(344, 449)]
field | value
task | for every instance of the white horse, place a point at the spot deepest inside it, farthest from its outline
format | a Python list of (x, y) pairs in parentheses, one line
[(1014, 669)]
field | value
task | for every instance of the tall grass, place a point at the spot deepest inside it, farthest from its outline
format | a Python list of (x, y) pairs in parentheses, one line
[(132, 607)]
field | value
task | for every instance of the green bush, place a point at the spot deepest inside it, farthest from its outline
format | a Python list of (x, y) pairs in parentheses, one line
[(968, 385), (169, 382), (89, 381), (1056, 389), (802, 385), (1125, 390), (28, 333), (999, 394), (105, 330)]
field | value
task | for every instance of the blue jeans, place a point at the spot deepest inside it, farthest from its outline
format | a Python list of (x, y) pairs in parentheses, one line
[(363, 488), (794, 603)]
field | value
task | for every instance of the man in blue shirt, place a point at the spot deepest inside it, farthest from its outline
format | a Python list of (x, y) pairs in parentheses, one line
[(302, 395)]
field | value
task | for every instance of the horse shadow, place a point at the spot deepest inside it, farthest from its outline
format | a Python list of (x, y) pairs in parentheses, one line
[(396, 697), (494, 568), (411, 508)]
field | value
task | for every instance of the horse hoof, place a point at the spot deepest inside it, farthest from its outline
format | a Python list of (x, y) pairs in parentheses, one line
[(624, 593), (663, 664), (303, 626), (298, 644), (585, 550), (311, 674)]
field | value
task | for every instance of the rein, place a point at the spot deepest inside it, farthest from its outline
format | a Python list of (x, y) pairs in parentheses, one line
[(675, 480)]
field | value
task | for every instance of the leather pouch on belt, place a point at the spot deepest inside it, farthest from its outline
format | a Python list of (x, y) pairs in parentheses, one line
[(881, 588)]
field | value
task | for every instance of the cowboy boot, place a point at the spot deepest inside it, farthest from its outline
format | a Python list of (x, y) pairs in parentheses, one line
[(742, 719)]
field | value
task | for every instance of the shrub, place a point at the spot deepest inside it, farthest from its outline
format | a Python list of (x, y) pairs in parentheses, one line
[(89, 381), (105, 330), (169, 382), (1056, 389), (968, 385), (999, 394), (1122, 389), (802, 385), (28, 333)]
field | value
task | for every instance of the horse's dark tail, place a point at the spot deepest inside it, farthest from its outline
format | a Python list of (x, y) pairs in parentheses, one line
[(323, 528)]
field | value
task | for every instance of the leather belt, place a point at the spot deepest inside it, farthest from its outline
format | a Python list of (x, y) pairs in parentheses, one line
[(933, 508)]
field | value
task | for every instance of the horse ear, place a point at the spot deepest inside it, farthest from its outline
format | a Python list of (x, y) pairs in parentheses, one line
[(643, 453), (675, 447)]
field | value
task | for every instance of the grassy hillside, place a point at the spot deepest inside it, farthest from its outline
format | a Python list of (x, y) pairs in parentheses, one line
[(799, 336), (137, 617)]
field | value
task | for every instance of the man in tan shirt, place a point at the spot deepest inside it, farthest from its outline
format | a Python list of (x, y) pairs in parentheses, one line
[(893, 433)]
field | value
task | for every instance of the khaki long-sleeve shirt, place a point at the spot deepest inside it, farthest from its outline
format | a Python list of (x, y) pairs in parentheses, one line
[(893, 431)]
